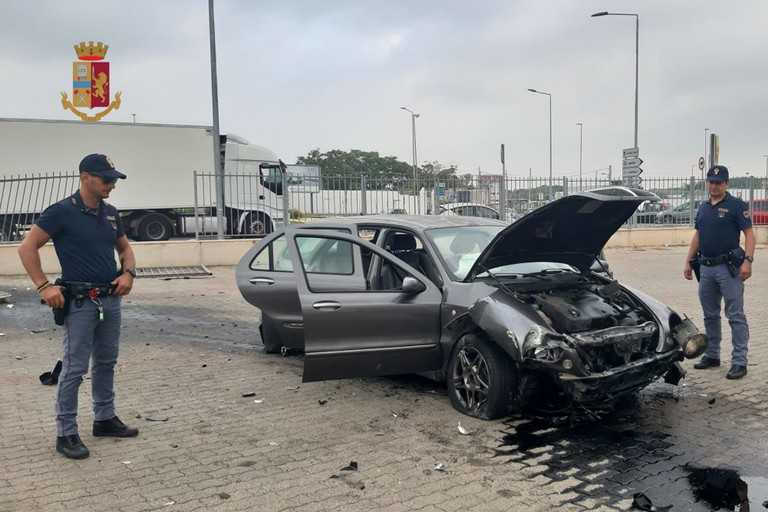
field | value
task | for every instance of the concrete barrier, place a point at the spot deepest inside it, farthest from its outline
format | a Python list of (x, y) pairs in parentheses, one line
[(228, 252)]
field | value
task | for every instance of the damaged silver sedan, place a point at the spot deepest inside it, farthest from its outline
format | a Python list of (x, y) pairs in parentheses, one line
[(511, 317)]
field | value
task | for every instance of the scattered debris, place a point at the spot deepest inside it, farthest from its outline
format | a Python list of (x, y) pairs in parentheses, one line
[(169, 503), (322, 402), (257, 401), (642, 502), (711, 401), (37, 331), (249, 394), (9, 306), (205, 366), (272, 443), (440, 467), (126, 462), (464, 431), (18, 358), (352, 466), (224, 495), (292, 388), (157, 417)]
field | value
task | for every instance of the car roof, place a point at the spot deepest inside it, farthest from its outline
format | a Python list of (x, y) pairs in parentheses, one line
[(416, 222)]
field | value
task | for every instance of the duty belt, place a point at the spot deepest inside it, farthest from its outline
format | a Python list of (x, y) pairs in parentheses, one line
[(90, 290), (711, 262)]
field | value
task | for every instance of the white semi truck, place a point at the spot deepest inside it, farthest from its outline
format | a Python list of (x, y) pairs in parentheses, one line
[(170, 189)]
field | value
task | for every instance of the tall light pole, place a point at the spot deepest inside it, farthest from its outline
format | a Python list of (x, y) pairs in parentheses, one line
[(581, 147), (413, 131), (766, 172), (218, 167), (550, 138), (706, 167), (637, 52)]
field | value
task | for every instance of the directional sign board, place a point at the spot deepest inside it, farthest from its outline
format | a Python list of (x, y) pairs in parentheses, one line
[(631, 152), (630, 168)]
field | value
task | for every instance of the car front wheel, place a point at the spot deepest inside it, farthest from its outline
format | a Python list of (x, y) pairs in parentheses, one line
[(481, 378)]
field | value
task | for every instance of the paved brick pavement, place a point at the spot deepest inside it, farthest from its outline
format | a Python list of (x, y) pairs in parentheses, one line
[(191, 349)]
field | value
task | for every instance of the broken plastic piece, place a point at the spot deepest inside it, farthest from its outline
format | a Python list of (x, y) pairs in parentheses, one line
[(157, 417), (464, 431), (440, 467), (711, 401), (51, 378), (249, 394), (642, 502), (322, 402), (352, 466)]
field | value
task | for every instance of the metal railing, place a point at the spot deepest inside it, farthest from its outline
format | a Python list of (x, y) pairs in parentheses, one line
[(250, 210)]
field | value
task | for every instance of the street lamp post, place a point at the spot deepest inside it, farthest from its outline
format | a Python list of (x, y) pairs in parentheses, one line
[(706, 167), (581, 146), (413, 131), (637, 52), (766, 173), (550, 137)]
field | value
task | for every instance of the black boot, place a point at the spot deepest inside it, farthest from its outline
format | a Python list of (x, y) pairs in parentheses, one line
[(707, 362), (113, 428), (737, 371), (72, 447)]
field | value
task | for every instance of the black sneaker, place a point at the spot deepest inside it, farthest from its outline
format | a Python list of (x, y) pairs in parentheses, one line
[(72, 447), (707, 362), (737, 371), (113, 428)]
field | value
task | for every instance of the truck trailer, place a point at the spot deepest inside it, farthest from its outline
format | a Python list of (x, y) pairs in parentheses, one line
[(170, 185)]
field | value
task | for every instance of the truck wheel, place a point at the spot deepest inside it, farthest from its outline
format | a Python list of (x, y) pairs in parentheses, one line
[(8, 232), (154, 228), (257, 224), (481, 378), (269, 335)]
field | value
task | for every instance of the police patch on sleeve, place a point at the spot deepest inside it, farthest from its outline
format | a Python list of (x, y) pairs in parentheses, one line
[(746, 214)]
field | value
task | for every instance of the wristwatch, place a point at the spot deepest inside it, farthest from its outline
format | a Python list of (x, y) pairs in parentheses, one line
[(131, 271), (749, 258)]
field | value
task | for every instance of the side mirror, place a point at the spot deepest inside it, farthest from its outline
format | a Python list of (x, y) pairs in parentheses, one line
[(412, 286)]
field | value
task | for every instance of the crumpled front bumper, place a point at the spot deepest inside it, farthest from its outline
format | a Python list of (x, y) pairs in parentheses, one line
[(611, 384)]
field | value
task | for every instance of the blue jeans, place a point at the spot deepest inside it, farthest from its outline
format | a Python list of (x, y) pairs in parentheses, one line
[(85, 337), (717, 284)]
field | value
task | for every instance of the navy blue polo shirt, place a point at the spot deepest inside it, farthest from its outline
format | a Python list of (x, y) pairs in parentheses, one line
[(84, 238), (720, 225)]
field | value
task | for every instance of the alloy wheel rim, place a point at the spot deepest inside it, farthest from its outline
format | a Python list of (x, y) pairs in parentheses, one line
[(471, 379)]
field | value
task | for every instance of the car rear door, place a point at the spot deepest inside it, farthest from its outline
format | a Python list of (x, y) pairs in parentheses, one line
[(352, 329), (265, 279)]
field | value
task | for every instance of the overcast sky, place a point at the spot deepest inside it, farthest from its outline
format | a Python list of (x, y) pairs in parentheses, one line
[(295, 75)]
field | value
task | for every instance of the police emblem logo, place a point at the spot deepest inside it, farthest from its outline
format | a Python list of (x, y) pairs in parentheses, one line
[(90, 82), (746, 214)]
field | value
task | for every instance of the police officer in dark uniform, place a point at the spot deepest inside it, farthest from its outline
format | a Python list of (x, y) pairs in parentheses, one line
[(722, 266), (85, 231)]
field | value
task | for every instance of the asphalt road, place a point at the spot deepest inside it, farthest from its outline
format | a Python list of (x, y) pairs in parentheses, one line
[(191, 350)]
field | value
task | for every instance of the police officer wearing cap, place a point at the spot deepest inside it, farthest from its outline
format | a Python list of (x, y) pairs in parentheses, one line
[(723, 266), (86, 232)]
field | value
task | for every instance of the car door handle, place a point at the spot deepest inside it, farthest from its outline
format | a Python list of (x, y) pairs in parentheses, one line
[(261, 280), (327, 304)]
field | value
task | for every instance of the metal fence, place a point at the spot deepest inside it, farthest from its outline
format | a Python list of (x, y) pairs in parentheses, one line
[(253, 208)]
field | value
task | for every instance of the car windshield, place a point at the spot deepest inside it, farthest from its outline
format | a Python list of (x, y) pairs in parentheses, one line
[(459, 248)]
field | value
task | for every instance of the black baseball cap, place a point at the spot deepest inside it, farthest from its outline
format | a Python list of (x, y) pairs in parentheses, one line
[(100, 165), (718, 173)]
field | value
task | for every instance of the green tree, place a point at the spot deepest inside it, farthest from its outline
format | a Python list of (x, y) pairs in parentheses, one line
[(343, 169)]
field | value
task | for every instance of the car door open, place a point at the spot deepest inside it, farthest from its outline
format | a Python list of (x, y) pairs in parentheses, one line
[(354, 329)]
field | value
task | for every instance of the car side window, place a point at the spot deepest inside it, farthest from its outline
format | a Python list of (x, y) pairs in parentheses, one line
[(273, 257), (325, 255)]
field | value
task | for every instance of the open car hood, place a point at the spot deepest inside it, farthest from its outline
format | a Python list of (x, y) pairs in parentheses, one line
[(570, 230)]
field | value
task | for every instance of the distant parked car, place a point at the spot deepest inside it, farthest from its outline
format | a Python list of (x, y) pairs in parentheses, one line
[(469, 210), (398, 211), (679, 214), (760, 211), (646, 213)]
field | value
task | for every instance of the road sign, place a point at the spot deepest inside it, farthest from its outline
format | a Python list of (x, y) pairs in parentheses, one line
[(701, 163), (631, 152), (631, 162), (633, 172)]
